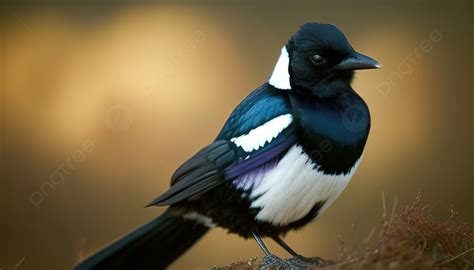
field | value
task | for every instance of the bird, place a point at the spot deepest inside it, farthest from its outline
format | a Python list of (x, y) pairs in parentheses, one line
[(283, 156)]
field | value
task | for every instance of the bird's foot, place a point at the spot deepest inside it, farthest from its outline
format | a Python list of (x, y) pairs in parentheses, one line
[(272, 262), (309, 262)]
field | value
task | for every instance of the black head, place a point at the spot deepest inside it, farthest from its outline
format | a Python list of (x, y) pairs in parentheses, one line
[(318, 60)]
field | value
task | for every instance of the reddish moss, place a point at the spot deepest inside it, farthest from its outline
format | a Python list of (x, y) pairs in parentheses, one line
[(414, 239), (411, 239)]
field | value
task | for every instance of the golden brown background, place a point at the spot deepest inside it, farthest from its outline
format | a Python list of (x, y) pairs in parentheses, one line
[(101, 102)]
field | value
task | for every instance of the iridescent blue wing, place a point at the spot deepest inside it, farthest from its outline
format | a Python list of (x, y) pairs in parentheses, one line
[(260, 129)]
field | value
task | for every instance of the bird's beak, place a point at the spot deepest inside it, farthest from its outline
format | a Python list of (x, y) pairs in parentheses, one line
[(357, 61)]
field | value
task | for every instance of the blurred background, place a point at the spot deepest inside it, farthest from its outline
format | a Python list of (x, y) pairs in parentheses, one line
[(101, 101)]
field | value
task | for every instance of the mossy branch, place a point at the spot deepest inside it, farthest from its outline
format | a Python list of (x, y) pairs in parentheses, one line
[(410, 239)]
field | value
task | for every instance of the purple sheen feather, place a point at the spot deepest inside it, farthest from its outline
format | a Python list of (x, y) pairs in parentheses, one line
[(258, 160), (254, 177)]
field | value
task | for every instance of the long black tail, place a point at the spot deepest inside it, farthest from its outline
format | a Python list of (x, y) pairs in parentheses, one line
[(152, 246)]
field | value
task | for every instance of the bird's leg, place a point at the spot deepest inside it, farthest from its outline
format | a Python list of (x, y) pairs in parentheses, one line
[(297, 258), (270, 261), (280, 242), (259, 240)]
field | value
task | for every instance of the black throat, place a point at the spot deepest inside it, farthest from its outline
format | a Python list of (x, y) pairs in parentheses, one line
[(332, 130)]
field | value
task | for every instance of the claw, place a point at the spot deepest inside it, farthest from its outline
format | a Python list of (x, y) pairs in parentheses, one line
[(309, 262), (272, 262)]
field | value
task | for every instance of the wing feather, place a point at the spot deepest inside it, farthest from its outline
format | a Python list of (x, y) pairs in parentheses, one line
[(200, 173), (224, 159)]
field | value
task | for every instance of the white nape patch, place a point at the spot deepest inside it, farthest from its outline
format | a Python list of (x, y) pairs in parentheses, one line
[(265, 133), (280, 77), (289, 191), (206, 221)]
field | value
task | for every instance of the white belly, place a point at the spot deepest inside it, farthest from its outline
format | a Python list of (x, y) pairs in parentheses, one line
[(288, 191)]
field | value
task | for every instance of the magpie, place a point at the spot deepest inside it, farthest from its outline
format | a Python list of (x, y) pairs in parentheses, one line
[(284, 155)]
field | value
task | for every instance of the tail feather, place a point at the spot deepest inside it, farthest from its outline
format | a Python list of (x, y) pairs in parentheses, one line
[(152, 246)]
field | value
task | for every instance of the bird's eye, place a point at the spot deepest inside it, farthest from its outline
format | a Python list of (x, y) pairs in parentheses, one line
[(317, 60)]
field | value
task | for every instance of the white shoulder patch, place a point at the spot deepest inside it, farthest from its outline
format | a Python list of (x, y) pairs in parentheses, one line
[(265, 133), (280, 77)]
